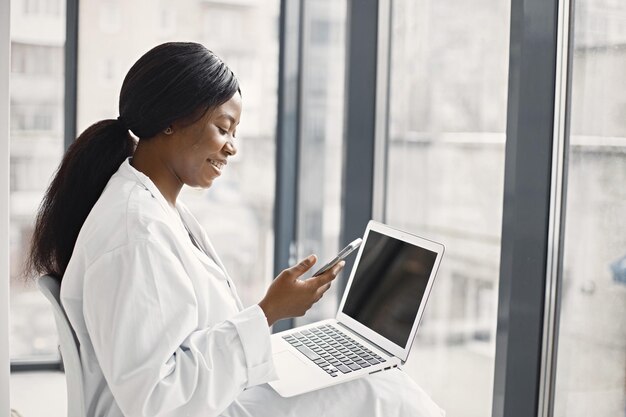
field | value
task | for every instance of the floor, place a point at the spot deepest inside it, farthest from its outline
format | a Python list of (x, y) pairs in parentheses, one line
[(47, 387)]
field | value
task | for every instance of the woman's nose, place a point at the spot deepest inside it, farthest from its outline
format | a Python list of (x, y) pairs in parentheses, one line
[(230, 148)]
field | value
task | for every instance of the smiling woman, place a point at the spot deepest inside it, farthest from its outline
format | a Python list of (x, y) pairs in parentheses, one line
[(161, 327)]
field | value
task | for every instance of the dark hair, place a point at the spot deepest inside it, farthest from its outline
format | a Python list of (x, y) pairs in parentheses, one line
[(172, 81)]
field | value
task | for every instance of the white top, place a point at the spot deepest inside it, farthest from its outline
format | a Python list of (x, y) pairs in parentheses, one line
[(161, 328)]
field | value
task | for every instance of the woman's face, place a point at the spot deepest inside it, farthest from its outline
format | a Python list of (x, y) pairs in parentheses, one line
[(199, 152)]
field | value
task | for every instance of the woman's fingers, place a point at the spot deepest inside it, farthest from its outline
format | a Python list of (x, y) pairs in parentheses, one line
[(288, 296), (321, 290), (327, 277), (303, 266)]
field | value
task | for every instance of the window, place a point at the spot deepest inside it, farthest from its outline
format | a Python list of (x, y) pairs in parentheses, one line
[(50, 8), (110, 17), (44, 118), (321, 140), (36, 150), (37, 59), (237, 210), (591, 354), (110, 72), (444, 181), (225, 25), (167, 22)]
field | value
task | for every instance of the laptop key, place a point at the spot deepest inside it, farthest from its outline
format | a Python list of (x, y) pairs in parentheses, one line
[(354, 366), (308, 352), (344, 369), (373, 361)]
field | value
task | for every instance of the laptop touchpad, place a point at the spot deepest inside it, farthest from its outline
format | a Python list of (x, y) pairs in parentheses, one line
[(287, 363)]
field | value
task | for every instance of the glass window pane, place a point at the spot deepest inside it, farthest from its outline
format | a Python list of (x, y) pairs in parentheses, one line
[(591, 355), (37, 83), (237, 210), (319, 199), (444, 181)]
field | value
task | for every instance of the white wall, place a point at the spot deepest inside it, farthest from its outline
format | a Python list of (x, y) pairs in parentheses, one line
[(5, 43)]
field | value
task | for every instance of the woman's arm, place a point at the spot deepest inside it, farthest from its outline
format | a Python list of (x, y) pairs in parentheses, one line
[(141, 314)]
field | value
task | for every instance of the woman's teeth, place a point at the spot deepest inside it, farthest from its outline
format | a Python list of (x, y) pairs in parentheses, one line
[(216, 164)]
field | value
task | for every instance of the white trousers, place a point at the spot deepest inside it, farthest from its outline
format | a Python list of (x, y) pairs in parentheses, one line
[(385, 394)]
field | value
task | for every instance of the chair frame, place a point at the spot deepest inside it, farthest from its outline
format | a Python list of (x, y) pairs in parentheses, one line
[(68, 346)]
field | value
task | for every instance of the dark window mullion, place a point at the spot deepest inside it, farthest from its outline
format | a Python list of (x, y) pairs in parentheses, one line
[(71, 71), (525, 221), (360, 118), (287, 139)]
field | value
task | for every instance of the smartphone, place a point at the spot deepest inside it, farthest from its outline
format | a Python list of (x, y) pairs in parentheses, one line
[(340, 256)]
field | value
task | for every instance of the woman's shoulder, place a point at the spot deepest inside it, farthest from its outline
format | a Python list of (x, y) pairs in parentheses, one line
[(126, 212)]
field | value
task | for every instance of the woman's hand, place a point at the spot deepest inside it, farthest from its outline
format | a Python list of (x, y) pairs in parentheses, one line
[(289, 296)]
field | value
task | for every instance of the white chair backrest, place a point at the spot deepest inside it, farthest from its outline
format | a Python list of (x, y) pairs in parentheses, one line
[(51, 288)]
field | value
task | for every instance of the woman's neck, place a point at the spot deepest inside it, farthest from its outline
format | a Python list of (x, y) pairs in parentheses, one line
[(148, 160)]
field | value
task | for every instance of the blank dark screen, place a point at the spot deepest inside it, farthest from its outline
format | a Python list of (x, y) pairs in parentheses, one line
[(389, 285)]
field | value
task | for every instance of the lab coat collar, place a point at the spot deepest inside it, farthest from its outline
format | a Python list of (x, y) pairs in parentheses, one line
[(128, 171)]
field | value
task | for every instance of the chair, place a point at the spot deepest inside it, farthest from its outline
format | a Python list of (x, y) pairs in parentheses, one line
[(68, 346)]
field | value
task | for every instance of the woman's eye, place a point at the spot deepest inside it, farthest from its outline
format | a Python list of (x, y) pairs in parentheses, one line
[(222, 131)]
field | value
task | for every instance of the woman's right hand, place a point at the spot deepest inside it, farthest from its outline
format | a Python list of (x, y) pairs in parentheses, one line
[(288, 296)]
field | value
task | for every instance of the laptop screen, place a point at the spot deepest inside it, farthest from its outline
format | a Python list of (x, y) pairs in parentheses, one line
[(388, 286)]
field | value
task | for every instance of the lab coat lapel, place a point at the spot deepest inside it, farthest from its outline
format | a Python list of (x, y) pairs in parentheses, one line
[(207, 246), (198, 232)]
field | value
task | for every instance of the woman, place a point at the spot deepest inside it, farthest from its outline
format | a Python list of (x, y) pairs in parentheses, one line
[(162, 331)]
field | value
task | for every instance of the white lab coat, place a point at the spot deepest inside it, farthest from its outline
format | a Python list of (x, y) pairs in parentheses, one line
[(163, 333)]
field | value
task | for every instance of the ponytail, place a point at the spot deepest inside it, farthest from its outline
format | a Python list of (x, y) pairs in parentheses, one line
[(85, 170)]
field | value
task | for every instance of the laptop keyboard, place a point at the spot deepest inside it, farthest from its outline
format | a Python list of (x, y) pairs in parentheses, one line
[(332, 350)]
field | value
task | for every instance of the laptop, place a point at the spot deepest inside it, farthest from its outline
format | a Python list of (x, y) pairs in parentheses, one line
[(377, 319)]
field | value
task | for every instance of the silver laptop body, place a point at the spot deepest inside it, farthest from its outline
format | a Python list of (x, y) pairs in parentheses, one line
[(377, 319)]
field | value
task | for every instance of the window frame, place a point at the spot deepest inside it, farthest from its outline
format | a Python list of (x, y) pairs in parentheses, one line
[(5, 70), (69, 134)]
